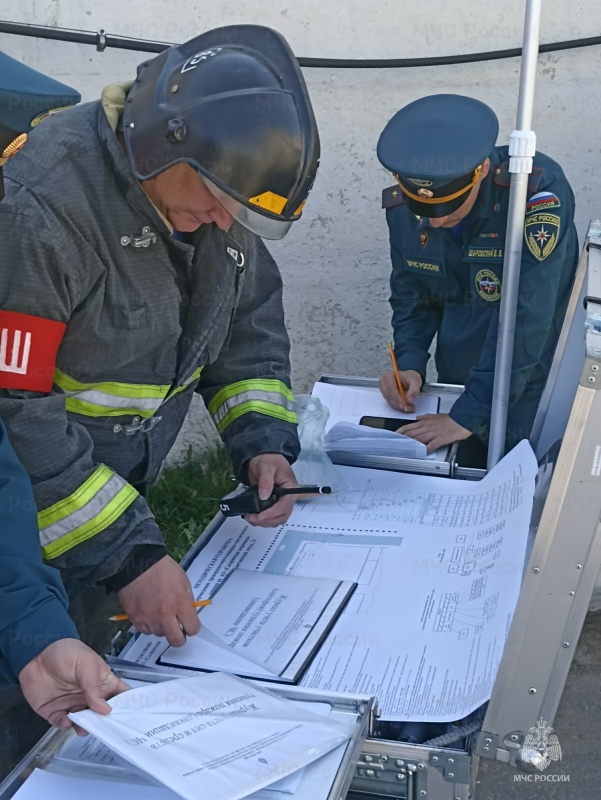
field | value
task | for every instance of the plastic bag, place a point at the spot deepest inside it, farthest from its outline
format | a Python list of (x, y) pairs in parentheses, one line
[(313, 466)]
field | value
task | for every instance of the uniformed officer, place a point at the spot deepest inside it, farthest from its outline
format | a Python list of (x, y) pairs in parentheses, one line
[(447, 218)]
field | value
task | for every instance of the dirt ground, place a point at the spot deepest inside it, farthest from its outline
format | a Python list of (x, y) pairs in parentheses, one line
[(578, 728)]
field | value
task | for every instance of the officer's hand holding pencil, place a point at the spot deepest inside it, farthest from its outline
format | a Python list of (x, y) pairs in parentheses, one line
[(399, 388)]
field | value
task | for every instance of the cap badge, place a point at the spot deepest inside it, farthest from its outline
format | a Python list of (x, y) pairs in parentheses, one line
[(419, 181), (425, 192), (39, 117)]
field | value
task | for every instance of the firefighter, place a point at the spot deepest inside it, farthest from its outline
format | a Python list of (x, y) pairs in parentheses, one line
[(132, 275), (39, 643), (447, 219)]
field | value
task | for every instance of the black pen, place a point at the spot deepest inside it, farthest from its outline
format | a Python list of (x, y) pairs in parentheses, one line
[(249, 502), (281, 492)]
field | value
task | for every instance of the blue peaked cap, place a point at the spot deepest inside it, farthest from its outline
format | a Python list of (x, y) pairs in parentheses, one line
[(433, 146), (26, 93)]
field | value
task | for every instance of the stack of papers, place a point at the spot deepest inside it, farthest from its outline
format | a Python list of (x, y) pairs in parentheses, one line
[(88, 755), (349, 404), (213, 736), (348, 437)]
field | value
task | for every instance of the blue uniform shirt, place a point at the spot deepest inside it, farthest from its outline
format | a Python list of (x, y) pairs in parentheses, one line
[(33, 601), (451, 286)]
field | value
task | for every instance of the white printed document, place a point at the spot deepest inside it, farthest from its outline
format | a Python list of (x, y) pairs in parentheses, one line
[(263, 625), (438, 565), (89, 756), (90, 783), (44, 785), (213, 736), (350, 403)]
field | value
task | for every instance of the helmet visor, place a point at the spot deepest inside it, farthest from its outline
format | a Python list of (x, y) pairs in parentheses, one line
[(263, 226)]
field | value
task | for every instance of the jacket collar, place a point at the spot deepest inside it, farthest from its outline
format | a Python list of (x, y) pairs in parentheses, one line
[(483, 207), (130, 186)]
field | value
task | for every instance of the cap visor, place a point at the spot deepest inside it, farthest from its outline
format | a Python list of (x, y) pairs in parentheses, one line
[(434, 210)]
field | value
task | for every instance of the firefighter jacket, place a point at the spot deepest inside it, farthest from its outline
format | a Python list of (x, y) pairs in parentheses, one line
[(448, 283), (33, 602), (108, 325)]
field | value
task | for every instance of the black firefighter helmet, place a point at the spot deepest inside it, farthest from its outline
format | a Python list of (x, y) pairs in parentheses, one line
[(26, 97), (233, 104)]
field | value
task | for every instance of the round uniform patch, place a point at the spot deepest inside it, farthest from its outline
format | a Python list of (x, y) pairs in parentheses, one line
[(488, 285)]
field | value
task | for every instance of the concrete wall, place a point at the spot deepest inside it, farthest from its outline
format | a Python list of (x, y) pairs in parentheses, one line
[(335, 261)]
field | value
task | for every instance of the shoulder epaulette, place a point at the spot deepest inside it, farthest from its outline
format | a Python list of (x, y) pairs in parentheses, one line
[(392, 197), (502, 176)]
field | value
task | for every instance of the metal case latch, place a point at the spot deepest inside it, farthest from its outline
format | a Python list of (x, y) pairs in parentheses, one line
[(455, 767)]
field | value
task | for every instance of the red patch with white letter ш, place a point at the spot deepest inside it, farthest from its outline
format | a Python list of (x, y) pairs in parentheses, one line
[(28, 348)]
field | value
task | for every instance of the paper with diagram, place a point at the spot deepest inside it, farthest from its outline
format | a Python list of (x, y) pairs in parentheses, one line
[(438, 565), (213, 735), (262, 624)]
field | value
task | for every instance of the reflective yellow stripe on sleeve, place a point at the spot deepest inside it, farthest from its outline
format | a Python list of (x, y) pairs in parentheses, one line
[(116, 399), (110, 399), (267, 396), (94, 506)]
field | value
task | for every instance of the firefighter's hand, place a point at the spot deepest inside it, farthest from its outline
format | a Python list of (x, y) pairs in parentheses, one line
[(435, 430), (160, 601), (266, 471), (412, 384), (68, 676)]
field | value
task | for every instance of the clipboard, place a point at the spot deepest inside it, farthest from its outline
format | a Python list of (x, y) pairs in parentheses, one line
[(289, 650), (453, 461)]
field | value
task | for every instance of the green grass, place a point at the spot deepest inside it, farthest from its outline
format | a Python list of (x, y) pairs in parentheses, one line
[(187, 497)]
